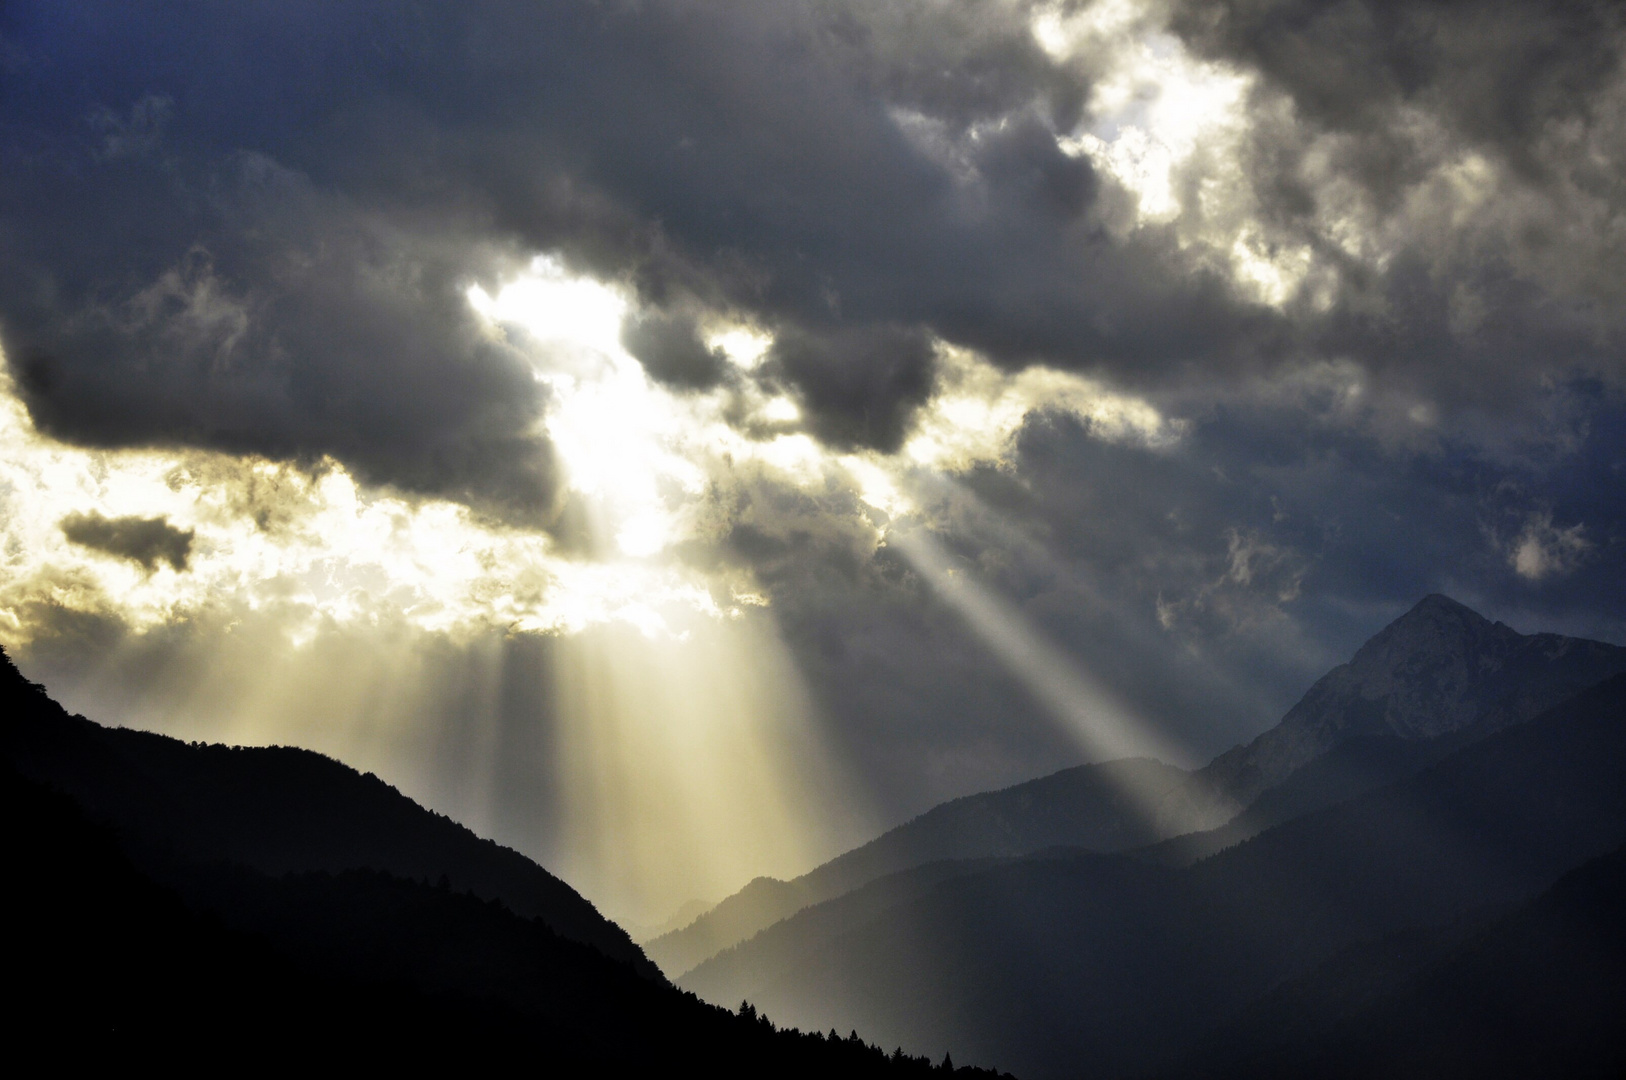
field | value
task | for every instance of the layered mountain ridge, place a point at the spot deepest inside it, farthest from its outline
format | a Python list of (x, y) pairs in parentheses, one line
[(1432, 836), (1437, 1001), (1436, 679), (1062, 958), (1094, 806)]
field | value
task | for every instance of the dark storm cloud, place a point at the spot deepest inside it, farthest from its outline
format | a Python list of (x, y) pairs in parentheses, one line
[(148, 541), (251, 226), (1484, 142), (670, 349), (1497, 74), (240, 308), (858, 385), (1278, 535)]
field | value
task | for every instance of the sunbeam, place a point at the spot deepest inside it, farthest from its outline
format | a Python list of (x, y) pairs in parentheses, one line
[(841, 490), (1101, 726), (689, 765)]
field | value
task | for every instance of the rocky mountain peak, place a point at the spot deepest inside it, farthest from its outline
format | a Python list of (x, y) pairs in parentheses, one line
[(1436, 628), (1438, 669)]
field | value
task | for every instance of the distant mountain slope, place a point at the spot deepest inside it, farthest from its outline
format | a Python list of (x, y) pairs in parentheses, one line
[(1050, 964), (1100, 807), (1538, 992), (1434, 680), (277, 810), (784, 945), (1438, 669), (1354, 767), (686, 913)]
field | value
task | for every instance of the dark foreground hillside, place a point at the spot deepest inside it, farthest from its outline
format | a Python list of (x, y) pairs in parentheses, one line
[(127, 950), (278, 810)]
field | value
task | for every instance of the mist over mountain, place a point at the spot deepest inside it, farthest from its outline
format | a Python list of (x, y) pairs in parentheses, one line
[(1093, 806), (782, 947), (1436, 679), (1406, 825)]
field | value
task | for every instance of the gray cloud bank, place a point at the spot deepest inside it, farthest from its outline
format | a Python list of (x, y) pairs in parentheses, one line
[(250, 227), (1512, 267)]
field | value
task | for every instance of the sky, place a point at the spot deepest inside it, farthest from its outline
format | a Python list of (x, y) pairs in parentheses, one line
[(682, 438)]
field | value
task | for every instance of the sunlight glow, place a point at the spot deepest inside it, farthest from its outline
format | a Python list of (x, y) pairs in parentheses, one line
[(315, 546), (322, 613), (1088, 712), (611, 427), (319, 547), (1170, 129), (689, 754), (1273, 272), (688, 767), (876, 486), (782, 409), (745, 346), (555, 306), (1153, 108)]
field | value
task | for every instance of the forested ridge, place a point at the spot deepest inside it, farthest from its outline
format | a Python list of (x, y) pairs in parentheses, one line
[(136, 946)]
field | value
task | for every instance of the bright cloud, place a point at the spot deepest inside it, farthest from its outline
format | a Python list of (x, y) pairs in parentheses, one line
[(1543, 550), (315, 545), (979, 409)]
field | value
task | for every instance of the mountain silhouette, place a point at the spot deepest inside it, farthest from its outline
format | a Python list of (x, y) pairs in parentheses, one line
[(1433, 681), (1094, 806), (1062, 961), (280, 810), (1425, 878), (199, 907), (1440, 669), (1537, 992)]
